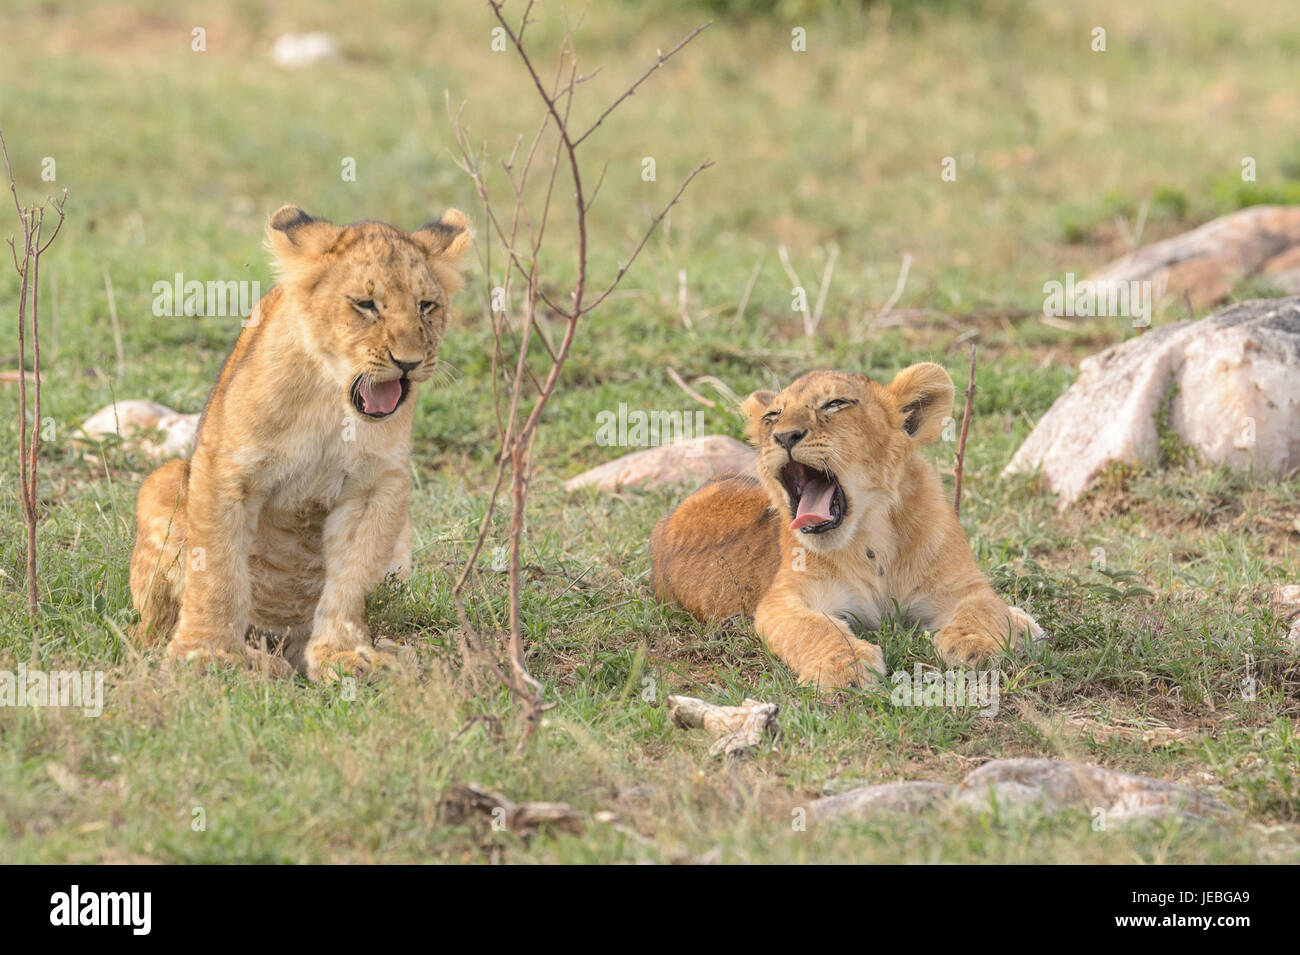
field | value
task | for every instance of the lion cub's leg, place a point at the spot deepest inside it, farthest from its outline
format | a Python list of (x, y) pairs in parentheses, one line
[(359, 542), (820, 648), (158, 559), (214, 613), (399, 562), (982, 625)]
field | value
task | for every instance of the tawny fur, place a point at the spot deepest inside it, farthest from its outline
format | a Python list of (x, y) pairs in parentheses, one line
[(295, 504), (724, 551), (717, 552)]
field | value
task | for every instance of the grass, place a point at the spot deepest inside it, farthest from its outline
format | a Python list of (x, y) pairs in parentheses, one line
[(1154, 587)]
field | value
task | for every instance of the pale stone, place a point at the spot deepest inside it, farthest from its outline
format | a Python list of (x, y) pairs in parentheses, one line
[(131, 417), (1045, 785), (1051, 785), (687, 462), (1238, 399), (1286, 603), (1205, 264), (905, 797), (301, 49)]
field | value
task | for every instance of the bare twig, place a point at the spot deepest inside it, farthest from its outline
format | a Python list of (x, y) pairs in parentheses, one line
[(961, 441), (54, 316), (722, 388), (681, 301), (825, 286), (811, 317), (35, 243), (783, 254), (521, 237), (117, 329), (660, 60), (749, 290), (899, 286), (677, 379)]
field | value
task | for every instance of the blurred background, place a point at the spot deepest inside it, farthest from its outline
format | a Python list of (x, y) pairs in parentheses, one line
[(178, 127), (1064, 156)]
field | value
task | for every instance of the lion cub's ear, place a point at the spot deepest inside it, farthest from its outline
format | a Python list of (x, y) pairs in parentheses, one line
[(444, 242), (753, 408), (292, 234), (924, 396), (297, 241)]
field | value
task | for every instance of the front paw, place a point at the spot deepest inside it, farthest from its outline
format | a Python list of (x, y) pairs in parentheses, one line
[(327, 664), (859, 664), (208, 654), (960, 645), (1025, 625)]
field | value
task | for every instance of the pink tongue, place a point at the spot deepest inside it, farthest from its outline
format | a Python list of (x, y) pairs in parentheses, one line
[(815, 504), (381, 398)]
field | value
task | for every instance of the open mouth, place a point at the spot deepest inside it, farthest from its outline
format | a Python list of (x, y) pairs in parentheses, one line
[(379, 399), (816, 498)]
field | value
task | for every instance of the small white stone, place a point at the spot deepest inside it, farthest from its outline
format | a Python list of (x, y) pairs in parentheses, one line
[(301, 49)]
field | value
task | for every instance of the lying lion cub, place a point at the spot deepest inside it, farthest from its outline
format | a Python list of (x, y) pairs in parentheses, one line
[(295, 503), (846, 518)]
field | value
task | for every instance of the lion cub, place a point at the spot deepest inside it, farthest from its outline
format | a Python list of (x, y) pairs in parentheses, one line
[(295, 502), (846, 519)]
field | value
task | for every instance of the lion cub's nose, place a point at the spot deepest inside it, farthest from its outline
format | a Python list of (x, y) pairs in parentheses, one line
[(405, 365), (788, 439)]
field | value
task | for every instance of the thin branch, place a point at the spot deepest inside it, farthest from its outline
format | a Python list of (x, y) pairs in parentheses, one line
[(654, 224), (681, 301), (117, 328), (899, 286), (518, 425), (677, 379), (660, 60), (749, 290), (961, 443), (825, 285), (32, 220)]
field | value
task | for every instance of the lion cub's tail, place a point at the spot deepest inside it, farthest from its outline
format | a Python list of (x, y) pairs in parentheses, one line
[(718, 551), (158, 561)]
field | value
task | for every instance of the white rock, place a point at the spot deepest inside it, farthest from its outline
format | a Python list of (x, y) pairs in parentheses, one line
[(131, 417), (905, 797), (1205, 264), (1045, 785), (687, 462), (301, 49), (1286, 604), (1238, 400), (1052, 785)]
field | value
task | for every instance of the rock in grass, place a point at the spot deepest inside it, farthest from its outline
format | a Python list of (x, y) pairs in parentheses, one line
[(1206, 264), (687, 462), (1045, 785), (1286, 604), (905, 798), (1052, 785), (302, 49), (136, 418), (1237, 400)]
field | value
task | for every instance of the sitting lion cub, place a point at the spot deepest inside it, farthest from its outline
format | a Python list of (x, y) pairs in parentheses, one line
[(846, 518), (295, 503)]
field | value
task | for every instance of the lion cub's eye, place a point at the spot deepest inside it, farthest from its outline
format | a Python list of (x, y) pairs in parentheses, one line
[(365, 306), (771, 416), (835, 404), (428, 308)]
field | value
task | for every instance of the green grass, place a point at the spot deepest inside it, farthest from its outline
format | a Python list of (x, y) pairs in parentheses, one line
[(174, 158)]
